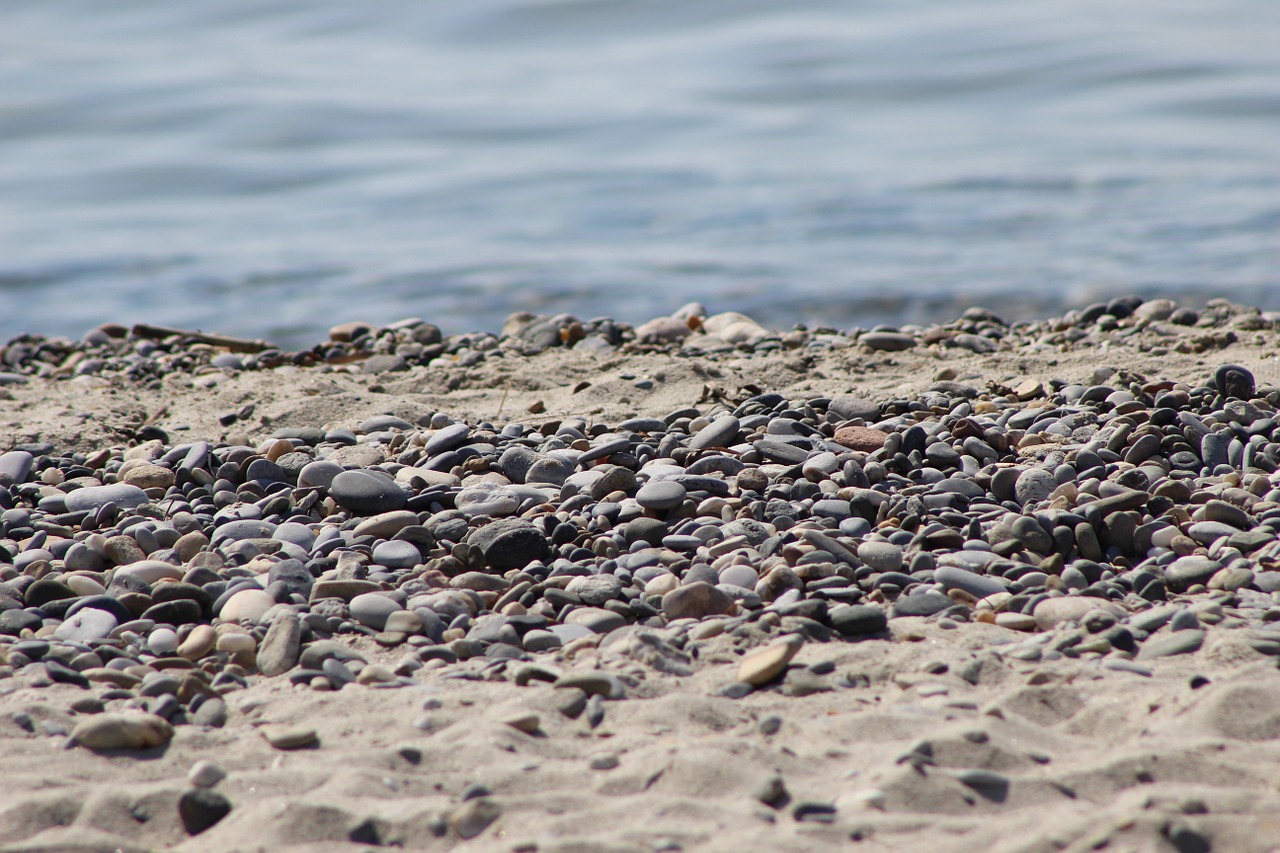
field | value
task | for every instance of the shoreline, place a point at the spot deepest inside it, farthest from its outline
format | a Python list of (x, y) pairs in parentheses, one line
[(693, 585)]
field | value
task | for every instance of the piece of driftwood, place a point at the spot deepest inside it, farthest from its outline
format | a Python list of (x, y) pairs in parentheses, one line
[(146, 330)]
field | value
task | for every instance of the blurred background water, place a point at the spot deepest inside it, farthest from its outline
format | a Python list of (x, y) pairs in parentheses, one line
[(269, 168)]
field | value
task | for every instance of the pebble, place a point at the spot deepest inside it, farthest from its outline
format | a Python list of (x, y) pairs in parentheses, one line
[(108, 732), (289, 737), (373, 609), (661, 495), (1068, 511), (205, 774), (200, 808), (249, 605), (367, 492), (763, 665), (697, 600)]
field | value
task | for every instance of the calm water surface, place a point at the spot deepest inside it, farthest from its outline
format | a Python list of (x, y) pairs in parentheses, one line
[(271, 167)]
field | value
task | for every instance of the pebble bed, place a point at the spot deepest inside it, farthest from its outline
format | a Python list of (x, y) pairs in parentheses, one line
[(1114, 522)]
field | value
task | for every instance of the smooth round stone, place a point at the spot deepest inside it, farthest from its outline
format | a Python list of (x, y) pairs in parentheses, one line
[(15, 466), (860, 438), (278, 652), (596, 619), (162, 642), (319, 474), (661, 495), (372, 609), (1186, 572), (1033, 486), (243, 528), (365, 492), (403, 622), (855, 527), (87, 624), (1016, 621), (122, 731), (289, 737), (149, 476), (200, 809), (150, 571), (854, 620), (447, 438), (887, 341), (84, 585), (722, 432), (387, 524), (299, 534), (93, 498), (831, 508), (1208, 532), (850, 407), (596, 589), (881, 556), (552, 470), (511, 543), (241, 646), (761, 666), (979, 586), (198, 643), (922, 603), (741, 576), (397, 554), (697, 600), (205, 774), (247, 605), (1068, 608), (1175, 643), (488, 499)]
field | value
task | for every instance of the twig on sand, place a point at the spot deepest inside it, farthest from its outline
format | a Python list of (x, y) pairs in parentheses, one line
[(146, 330), (502, 405)]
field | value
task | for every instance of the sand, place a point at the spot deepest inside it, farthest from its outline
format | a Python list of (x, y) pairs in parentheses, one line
[(1094, 758)]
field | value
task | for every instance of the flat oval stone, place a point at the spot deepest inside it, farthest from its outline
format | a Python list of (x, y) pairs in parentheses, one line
[(372, 609), (319, 474), (366, 492), (881, 556), (248, 605), (979, 586), (92, 498), (397, 554), (1186, 572), (887, 341), (722, 432), (488, 499), (1034, 485), (761, 666), (122, 731), (854, 620), (447, 438), (697, 600), (510, 543), (151, 571), (87, 624), (661, 495), (864, 439)]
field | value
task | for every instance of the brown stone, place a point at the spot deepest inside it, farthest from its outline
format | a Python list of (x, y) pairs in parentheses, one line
[(696, 601), (865, 439)]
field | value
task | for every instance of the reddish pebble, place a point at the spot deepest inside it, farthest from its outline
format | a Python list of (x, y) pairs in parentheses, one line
[(865, 439)]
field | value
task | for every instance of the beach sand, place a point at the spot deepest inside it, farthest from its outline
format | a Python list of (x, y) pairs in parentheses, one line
[(926, 736)]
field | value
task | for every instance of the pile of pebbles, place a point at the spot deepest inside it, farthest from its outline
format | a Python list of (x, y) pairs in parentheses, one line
[(1113, 522), (146, 354)]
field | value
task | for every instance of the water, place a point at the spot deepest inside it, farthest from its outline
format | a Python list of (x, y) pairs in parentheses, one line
[(270, 167)]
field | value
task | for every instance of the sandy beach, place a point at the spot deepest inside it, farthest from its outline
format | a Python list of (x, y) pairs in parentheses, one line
[(969, 729)]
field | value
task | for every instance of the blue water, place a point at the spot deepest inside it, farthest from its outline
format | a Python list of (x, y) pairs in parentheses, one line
[(271, 167)]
